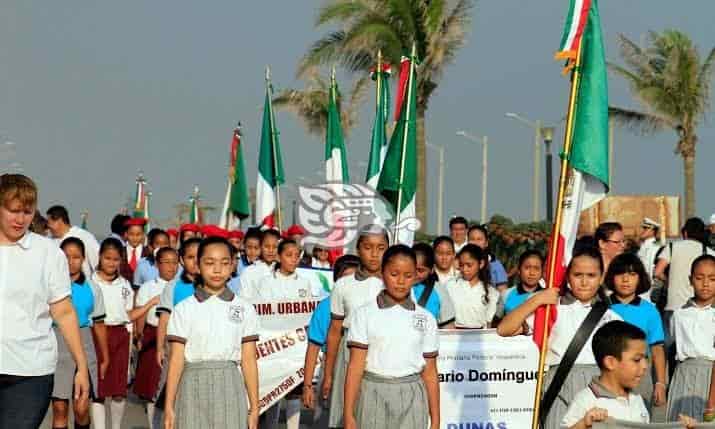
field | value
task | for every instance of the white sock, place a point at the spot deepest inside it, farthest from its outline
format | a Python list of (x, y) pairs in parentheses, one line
[(116, 409), (150, 412), (99, 415), (293, 413)]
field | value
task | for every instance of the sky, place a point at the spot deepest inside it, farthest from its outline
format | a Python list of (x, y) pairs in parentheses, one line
[(93, 92)]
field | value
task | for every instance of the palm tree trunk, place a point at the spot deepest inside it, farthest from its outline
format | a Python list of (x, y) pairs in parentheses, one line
[(689, 172), (421, 203)]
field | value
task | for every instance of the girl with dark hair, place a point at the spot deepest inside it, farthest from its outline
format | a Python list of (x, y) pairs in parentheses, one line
[(264, 265), (445, 257), (474, 297), (627, 279), (479, 235), (531, 270), (147, 268), (251, 249), (428, 292)]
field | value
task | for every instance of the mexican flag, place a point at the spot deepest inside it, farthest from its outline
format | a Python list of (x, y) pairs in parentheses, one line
[(587, 180), (336, 165), (398, 179), (195, 213), (270, 166), (236, 205), (378, 142)]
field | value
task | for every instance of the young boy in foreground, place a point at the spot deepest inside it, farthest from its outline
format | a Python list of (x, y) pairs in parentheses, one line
[(620, 351)]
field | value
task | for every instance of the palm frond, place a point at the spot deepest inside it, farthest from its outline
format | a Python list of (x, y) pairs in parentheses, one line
[(639, 122), (341, 11), (448, 39), (324, 51)]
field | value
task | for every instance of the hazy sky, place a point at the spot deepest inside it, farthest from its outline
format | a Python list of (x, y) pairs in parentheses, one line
[(92, 92)]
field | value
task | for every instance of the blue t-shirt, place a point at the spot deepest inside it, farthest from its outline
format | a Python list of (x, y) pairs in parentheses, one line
[(182, 290), (83, 303), (319, 324), (234, 284), (145, 272), (433, 304), (515, 296), (497, 272), (642, 314)]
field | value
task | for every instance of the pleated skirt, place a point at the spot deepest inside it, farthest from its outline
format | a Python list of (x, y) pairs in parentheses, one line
[(148, 375), (395, 403), (689, 389), (336, 393), (66, 367), (577, 380), (211, 395), (115, 380)]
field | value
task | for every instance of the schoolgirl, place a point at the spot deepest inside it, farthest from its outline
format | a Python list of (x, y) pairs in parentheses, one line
[(251, 249), (392, 374), (118, 299), (531, 271), (263, 266), (478, 235), (212, 333), (348, 294), (88, 303), (320, 258), (147, 268), (445, 259), (428, 292), (581, 292), (148, 369), (474, 298), (627, 279), (693, 326), (236, 239), (135, 248)]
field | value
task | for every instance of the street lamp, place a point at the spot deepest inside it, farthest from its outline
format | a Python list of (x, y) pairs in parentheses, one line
[(535, 179), (440, 196), (548, 135), (484, 143)]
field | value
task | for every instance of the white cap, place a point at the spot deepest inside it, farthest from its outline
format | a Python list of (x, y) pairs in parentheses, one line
[(650, 223)]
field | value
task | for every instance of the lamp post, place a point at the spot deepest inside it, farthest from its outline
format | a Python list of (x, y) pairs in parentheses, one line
[(548, 135), (484, 141), (536, 125), (440, 196)]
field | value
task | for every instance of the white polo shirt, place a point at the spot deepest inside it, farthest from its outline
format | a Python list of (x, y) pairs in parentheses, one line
[(91, 248), (118, 299), (630, 409), (351, 292), (33, 275), (445, 278), (694, 330), (251, 276), (213, 327), (647, 253), (146, 292), (397, 337), (473, 309), (570, 314), (279, 287), (684, 253)]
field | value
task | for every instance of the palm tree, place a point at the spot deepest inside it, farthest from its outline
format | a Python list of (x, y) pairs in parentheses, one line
[(311, 103), (673, 85), (436, 27)]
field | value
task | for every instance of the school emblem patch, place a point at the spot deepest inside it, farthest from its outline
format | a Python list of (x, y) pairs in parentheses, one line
[(125, 293), (302, 293), (419, 322), (235, 313)]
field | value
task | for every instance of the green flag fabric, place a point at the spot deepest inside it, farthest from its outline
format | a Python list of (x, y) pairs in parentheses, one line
[(239, 202), (336, 165), (378, 142)]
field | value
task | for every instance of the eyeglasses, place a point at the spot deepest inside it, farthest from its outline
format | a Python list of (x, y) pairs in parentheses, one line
[(619, 242)]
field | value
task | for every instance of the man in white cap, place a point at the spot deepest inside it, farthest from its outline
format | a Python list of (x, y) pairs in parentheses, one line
[(649, 244)]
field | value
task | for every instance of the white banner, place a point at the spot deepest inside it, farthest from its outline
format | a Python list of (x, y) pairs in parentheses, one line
[(486, 381)]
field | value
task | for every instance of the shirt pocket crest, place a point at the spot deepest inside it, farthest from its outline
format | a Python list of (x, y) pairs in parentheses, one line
[(235, 313)]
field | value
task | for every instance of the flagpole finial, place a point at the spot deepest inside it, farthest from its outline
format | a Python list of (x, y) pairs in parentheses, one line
[(237, 128), (140, 177), (268, 73), (414, 50), (332, 74)]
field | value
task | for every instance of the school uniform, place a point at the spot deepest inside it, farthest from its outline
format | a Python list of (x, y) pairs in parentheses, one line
[(131, 262), (91, 247), (445, 278), (213, 328), (118, 299), (276, 287), (630, 408), (513, 297), (315, 263), (644, 315), (570, 315), (349, 293), (694, 330), (146, 271), (251, 276), (438, 302), (398, 338), (475, 307), (148, 374), (88, 303)]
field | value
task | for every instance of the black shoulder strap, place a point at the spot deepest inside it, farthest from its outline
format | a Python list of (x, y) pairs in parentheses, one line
[(426, 292), (572, 352)]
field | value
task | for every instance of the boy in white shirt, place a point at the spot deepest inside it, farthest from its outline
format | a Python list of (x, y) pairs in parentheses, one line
[(620, 351)]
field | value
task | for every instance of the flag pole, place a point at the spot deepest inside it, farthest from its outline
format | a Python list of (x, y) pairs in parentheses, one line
[(553, 249), (273, 147), (404, 141), (378, 79)]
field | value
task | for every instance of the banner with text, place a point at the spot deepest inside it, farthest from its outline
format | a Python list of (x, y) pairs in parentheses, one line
[(486, 381)]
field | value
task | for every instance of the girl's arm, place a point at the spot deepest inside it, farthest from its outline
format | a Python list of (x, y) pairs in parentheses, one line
[(138, 312), (658, 353), (161, 337), (512, 323), (431, 380), (356, 368), (335, 334), (176, 367), (100, 333), (65, 317), (249, 367), (710, 404), (311, 357)]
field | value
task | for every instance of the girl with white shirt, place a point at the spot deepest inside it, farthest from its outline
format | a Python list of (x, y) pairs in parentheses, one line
[(445, 259), (475, 300), (263, 266), (693, 327), (348, 294), (212, 333), (584, 274), (392, 375), (120, 312)]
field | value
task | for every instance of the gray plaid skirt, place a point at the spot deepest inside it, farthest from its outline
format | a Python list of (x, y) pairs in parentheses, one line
[(395, 403), (336, 393), (66, 367), (577, 380), (689, 389)]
